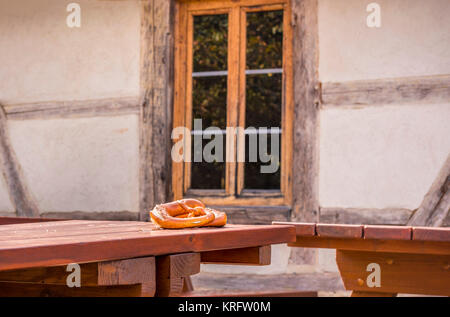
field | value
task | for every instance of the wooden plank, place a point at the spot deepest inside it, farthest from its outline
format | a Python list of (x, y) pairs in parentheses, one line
[(305, 87), (109, 273), (73, 230), (431, 234), (17, 220), (387, 232), (20, 196), (436, 205), (145, 241), (246, 256), (365, 216), (73, 109), (156, 84), (301, 229), (399, 273), (8, 289), (401, 246), (339, 231), (172, 269), (426, 89), (92, 215)]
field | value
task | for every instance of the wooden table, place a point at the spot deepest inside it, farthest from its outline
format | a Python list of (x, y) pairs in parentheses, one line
[(384, 260), (121, 258)]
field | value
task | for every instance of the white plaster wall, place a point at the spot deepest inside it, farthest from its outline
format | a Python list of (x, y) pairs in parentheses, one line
[(413, 40), (383, 156), (83, 164), (44, 60), (5, 201)]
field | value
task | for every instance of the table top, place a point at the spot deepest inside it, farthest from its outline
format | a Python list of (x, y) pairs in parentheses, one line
[(378, 238), (54, 243)]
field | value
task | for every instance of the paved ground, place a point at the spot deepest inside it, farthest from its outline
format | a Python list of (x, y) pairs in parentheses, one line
[(327, 284)]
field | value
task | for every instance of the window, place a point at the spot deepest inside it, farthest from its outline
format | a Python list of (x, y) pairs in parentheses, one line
[(233, 91)]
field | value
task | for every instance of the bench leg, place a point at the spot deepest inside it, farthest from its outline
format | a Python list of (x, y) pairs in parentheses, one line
[(129, 277)]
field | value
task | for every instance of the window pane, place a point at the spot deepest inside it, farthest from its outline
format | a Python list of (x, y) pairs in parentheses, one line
[(264, 98), (263, 109), (209, 104), (210, 42), (209, 95), (264, 39)]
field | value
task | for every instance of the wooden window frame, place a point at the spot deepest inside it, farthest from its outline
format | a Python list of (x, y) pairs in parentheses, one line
[(234, 193)]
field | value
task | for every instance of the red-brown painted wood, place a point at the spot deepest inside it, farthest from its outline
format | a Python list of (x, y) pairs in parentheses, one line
[(431, 234), (80, 241), (339, 231), (387, 232)]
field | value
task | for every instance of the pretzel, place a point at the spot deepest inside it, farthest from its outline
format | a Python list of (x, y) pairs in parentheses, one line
[(186, 213)]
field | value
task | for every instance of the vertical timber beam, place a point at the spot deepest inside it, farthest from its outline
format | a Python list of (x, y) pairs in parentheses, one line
[(12, 172), (156, 84), (306, 118)]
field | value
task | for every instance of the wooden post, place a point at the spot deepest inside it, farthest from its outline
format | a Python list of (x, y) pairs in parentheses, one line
[(306, 120), (156, 102)]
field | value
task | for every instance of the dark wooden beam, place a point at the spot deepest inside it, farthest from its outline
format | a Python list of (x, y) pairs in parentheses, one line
[(20, 196), (430, 89), (156, 81), (306, 119), (256, 215), (436, 205), (365, 216)]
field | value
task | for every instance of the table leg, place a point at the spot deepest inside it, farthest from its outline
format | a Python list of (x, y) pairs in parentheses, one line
[(172, 270)]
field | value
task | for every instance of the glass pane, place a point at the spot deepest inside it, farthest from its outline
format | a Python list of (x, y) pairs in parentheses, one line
[(264, 99), (209, 98), (253, 178), (263, 109), (210, 42), (207, 175), (264, 39)]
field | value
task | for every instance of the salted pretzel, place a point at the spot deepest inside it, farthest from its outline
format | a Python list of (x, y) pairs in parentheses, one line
[(186, 213)]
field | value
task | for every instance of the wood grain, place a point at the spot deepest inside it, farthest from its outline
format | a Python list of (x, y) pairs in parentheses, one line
[(81, 241), (306, 91), (399, 273), (156, 82), (246, 256), (400, 246), (436, 204), (426, 89), (110, 273), (365, 216), (301, 229), (388, 232), (339, 231), (431, 234), (74, 109), (20, 195), (171, 271)]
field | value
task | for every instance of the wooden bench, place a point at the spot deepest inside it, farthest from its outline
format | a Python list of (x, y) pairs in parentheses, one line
[(121, 258), (411, 260)]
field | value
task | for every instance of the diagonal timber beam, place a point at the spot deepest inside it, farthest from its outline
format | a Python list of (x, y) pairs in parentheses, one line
[(12, 172)]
